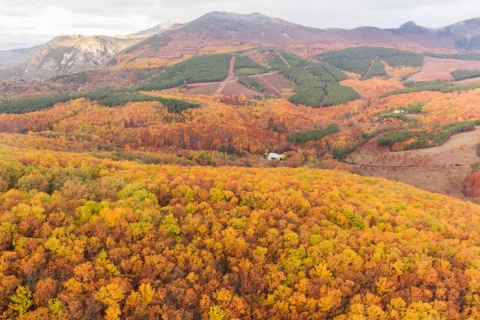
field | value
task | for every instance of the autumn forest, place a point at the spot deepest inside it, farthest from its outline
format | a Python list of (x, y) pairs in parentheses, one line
[(143, 189)]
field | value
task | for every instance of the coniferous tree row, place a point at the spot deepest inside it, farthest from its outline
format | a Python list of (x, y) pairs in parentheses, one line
[(109, 98), (245, 66), (359, 59), (252, 83), (457, 56), (313, 135), (424, 139), (327, 73), (459, 75), (208, 68), (437, 86)]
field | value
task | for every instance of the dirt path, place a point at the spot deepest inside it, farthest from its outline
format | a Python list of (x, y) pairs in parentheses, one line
[(230, 77), (441, 169), (368, 70), (281, 57), (264, 80)]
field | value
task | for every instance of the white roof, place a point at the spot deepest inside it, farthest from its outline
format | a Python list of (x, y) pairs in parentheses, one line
[(272, 155)]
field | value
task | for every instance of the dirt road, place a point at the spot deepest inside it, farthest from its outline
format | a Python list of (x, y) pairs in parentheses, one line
[(230, 77), (368, 70), (266, 82), (281, 57)]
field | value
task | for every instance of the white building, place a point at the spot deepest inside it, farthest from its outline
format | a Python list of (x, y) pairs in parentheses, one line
[(274, 156)]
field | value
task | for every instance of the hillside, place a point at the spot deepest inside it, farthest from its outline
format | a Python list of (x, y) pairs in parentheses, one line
[(119, 122), (85, 237), (337, 104), (256, 73)]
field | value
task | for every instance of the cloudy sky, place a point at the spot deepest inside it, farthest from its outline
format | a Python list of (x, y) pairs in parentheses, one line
[(24, 23)]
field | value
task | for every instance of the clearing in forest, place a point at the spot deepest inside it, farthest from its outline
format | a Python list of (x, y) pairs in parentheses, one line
[(441, 69), (440, 169)]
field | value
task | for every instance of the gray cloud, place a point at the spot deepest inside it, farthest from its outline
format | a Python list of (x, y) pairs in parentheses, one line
[(24, 23)]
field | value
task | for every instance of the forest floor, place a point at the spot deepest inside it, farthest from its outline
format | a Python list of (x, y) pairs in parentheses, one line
[(441, 169)]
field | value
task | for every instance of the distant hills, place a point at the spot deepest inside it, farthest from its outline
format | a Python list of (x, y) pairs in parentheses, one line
[(9, 57), (224, 32)]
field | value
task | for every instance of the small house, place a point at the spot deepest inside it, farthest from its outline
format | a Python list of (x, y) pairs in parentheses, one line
[(275, 156)]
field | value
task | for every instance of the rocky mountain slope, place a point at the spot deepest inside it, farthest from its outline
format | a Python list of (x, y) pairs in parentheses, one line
[(68, 54), (73, 53)]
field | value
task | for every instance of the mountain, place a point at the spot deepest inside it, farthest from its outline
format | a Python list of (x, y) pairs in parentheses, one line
[(218, 32), (465, 34), (73, 53), (67, 54), (461, 36), (9, 57), (159, 28)]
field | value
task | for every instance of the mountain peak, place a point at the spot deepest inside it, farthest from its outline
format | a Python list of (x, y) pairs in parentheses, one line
[(409, 27), (223, 17), (409, 24), (231, 15)]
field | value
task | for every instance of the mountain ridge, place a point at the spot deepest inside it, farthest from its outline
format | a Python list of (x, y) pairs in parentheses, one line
[(216, 31)]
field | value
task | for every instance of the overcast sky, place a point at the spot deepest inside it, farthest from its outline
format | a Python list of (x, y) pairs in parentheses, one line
[(24, 23)]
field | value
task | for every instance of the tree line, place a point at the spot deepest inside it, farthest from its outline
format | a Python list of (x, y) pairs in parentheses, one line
[(425, 139), (312, 135), (359, 59), (109, 98)]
